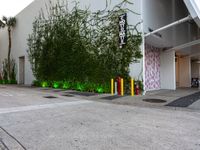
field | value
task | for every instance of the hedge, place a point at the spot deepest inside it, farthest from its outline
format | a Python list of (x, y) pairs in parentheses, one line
[(82, 46)]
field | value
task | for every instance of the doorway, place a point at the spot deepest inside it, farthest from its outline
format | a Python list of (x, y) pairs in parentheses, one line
[(183, 71), (21, 70)]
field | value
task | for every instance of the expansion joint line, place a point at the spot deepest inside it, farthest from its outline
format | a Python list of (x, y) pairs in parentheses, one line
[(12, 138)]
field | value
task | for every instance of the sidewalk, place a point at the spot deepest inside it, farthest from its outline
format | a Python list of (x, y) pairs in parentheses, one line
[(166, 95), (29, 118)]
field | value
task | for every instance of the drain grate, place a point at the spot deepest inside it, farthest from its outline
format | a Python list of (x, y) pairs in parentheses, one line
[(87, 94), (68, 95), (44, 89), (57, 91), (154, 100), (50, 97), (111, 97)]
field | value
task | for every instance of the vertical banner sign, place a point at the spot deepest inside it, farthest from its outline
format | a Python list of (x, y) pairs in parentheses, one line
[(122, 30)]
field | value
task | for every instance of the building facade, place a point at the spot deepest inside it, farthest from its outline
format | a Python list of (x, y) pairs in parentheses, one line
[(170, 59)]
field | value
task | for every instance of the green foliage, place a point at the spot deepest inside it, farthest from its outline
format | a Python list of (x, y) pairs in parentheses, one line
[(99, 89), (78, 86), (9, 23), (66, 85), (36, 83), (81, 46), (57, 85), (141, 86), (8, 82), (6, 78), (5, 70), (45, 84)]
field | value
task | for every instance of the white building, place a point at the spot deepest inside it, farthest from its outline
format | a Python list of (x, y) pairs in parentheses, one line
[(159, 69)]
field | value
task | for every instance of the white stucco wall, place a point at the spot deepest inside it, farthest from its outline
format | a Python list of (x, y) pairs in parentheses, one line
[(167, 70), (24, 27), (137, 69), (19, 38)]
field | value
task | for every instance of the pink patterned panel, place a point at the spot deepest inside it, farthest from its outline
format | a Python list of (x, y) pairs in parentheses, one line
[(152, 68)]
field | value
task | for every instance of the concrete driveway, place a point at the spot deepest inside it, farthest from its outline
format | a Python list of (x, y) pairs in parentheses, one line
[(30, 121)]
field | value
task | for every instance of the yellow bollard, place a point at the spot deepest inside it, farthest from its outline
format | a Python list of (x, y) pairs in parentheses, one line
[(122, 87), (112, 86), (132, 87)]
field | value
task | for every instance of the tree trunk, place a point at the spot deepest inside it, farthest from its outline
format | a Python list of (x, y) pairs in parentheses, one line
[(9, 52)]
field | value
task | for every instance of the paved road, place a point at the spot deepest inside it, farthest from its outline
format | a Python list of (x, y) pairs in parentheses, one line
[(30, 121)]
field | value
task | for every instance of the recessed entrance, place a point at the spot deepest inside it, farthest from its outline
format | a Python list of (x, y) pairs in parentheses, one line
[(188, 67), (183, 71), (21, 70)]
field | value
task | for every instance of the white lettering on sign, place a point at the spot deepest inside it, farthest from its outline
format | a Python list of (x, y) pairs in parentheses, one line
[(122, 30)]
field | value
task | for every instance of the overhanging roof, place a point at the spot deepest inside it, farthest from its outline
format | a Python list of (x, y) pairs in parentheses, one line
[(193, 7)]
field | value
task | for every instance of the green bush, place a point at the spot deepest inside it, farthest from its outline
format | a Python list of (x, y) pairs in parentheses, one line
[(57, 84), (66, 85), (12, 82), (36, 83), (45, 84), (90, 87), (12, 78), (69, 46), (8, 82), (78, 86), (5, 81)]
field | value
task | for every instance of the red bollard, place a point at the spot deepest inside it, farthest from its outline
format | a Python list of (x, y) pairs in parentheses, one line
[(119, 86), (137, 90)]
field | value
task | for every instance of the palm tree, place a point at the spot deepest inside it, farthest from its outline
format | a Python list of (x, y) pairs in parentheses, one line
[(9, 23)]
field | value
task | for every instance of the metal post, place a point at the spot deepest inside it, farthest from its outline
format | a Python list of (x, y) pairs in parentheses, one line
[(132, 87), (112, 86), (116, 88), (122, 87)]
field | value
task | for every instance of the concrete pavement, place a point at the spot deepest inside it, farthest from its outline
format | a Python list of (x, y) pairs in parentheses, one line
[(30, 121)]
